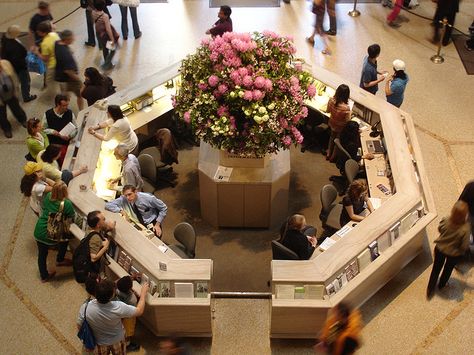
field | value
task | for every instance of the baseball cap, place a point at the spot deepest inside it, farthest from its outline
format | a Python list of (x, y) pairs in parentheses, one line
[(32, 167), (398, 65)]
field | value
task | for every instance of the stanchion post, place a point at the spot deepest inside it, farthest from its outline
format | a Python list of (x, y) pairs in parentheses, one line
[(354, 12), (438, 58)]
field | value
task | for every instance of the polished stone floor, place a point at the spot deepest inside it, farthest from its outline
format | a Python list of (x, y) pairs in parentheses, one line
[(39, 319)]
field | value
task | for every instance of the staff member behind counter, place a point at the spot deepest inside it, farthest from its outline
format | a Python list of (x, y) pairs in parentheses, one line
[(140, 207), (293, 237), (120, 129), (355, 202)]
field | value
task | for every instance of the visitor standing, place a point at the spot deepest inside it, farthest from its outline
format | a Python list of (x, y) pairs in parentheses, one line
[(370, 78), (55, 120), (467, 195), (66, 67), (341, 331), (35, 186), (51, 204), (105, 315), (318, 9), (90, 24), (107, 36), (42, 15), (331, 9), (9, 93), (452, 243), (448, 9), (126, 295), (15, 52), (46, 50), (125, 5), (392, 16), (224, 24), (48, 158), (96, 86), (37, 139), (396, 84)]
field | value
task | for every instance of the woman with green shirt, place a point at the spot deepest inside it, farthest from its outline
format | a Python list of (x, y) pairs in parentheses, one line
[(51, 204), (37, 139)]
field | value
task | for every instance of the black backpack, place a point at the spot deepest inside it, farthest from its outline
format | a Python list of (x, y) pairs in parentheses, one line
[(82, 264)]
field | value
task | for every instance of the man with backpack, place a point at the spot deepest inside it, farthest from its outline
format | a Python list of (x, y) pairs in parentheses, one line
[(89, 256)]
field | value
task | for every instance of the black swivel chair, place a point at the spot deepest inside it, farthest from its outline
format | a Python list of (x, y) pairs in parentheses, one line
[(280, 252)]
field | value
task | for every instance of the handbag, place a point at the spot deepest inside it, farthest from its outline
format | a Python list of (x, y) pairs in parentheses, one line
[(58, 225), (35, 64), (85, 332), (102, 33)]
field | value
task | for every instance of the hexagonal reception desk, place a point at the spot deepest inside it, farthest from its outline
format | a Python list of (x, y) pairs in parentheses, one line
[(349, 266)]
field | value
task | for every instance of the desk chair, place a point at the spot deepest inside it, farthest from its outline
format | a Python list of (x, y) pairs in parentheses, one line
[(148, 169), (163, 170), (351, 169), (184, 233), (280, 252), (330, 211)]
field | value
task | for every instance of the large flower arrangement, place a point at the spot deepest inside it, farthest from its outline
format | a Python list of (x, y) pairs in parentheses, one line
[(241, 93)]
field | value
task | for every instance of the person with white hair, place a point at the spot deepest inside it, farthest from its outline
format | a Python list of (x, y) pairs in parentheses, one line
[(15, 52), (131, 173), (396, 84)]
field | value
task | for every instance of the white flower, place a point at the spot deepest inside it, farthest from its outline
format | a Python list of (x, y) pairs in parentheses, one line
[(262, 110), (271, 106)]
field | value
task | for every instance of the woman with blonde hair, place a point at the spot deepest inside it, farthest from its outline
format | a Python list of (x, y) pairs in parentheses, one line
[(293, 237), (355, 202), (54, 201), (452, 243)]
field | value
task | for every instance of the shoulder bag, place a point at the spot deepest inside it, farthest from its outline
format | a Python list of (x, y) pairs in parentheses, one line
[(58, 225), (85, 332)]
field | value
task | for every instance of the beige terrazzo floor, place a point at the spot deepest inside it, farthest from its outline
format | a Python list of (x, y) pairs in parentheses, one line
[(39, 319)]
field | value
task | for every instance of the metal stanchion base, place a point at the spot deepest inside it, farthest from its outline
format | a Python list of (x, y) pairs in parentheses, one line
[(437, 59), (354, 13)]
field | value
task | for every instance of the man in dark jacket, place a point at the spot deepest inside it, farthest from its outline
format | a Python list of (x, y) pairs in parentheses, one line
[(15, 53), (448, 9)]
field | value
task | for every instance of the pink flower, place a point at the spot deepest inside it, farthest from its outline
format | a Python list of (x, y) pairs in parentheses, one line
[(311, 90), (258, 95), (304, 111), (297, 135), (232, 122), (283, 123), (248, 95), (294, 81), (247, 81), (286, 140), (187, 117), (202, 86), (213, 80), (223, 88), (222, 110), (243, 71), (235, 75), (268, 85), (259, 82)]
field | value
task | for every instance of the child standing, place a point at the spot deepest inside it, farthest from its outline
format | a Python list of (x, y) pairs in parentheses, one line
[(126, 295)]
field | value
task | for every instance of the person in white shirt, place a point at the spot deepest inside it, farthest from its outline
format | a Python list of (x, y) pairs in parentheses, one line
[(35, 186), (119, 129), (131, 172)]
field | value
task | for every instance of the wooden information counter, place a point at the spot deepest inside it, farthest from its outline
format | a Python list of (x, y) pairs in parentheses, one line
[(361, 257), (360, 261), (179, 298)]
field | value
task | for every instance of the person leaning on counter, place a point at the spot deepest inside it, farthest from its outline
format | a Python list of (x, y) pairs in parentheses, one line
[(119, 129), (140, 207)]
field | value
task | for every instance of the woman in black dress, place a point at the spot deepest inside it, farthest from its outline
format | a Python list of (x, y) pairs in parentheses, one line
[(355, 202), (293, 237)]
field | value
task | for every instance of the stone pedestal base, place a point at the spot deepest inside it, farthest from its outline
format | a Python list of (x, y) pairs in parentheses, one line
[(254, 197)]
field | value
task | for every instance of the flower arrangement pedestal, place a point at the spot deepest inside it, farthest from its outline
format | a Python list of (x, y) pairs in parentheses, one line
[(253, 197)]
